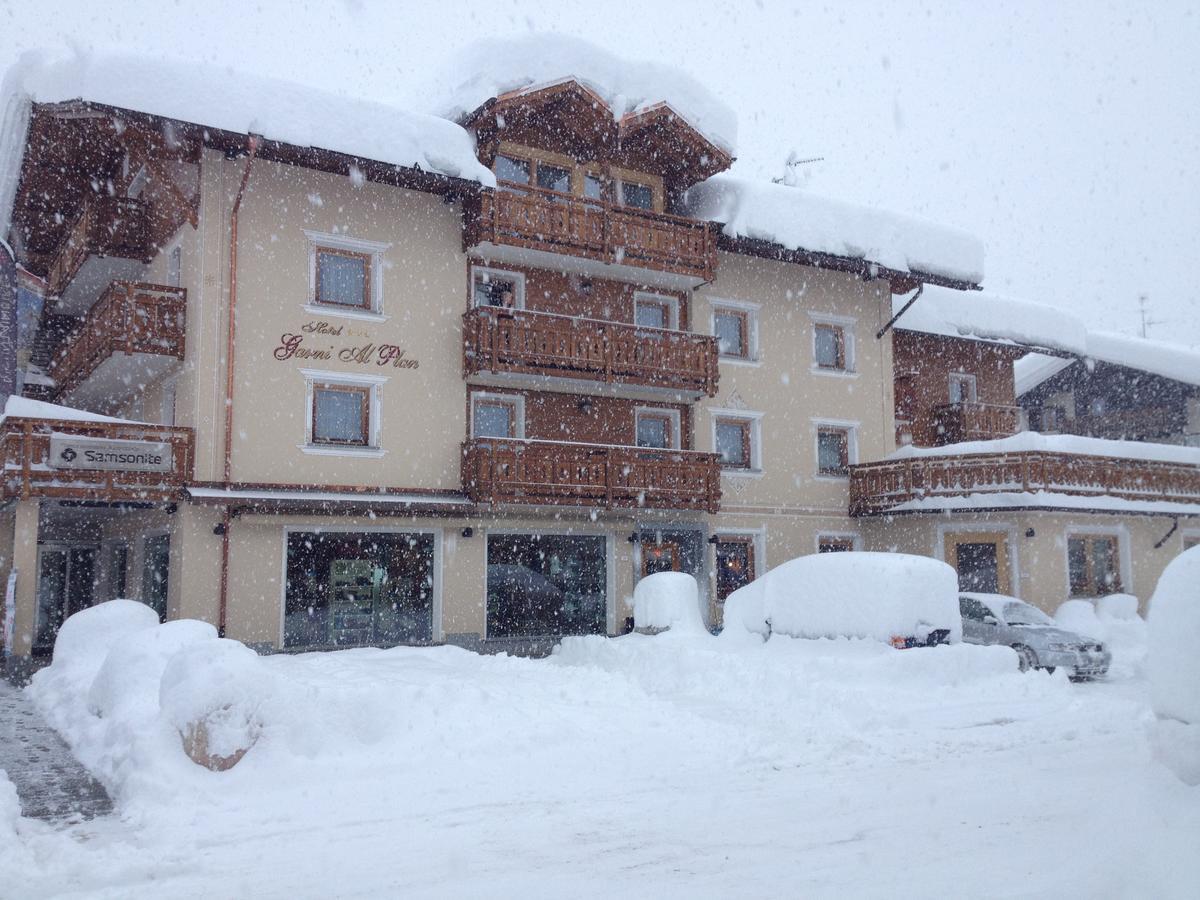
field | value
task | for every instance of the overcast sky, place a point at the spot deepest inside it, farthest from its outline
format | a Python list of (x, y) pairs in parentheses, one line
[(1065, 135)]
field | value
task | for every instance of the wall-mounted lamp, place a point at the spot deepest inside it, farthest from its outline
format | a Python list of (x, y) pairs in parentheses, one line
[(585, 405), (468, 532), (1029, 532), (219, 529)]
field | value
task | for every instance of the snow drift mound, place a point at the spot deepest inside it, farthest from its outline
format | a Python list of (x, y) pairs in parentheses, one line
[(668, 601), (1174, 665), (865, 595), (1114, 621)]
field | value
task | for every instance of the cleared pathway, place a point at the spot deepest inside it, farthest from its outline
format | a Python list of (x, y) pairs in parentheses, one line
[(51, 784)]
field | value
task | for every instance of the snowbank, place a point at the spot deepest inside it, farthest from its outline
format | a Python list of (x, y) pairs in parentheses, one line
[(797, 220), (668, 600), (1174, 635), (494, 66), (865, 595), (1114, 621), (1060, 443)]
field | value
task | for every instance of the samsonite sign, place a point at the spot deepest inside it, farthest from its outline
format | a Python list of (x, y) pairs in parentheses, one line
[(70, 452)]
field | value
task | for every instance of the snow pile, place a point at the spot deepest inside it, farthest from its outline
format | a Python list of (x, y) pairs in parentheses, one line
[(668, 600), (496, 66), (1118, 608), (798, 220), (1060, 443), (1174, 665), (990, 316), (864, 595), (1114, 621)]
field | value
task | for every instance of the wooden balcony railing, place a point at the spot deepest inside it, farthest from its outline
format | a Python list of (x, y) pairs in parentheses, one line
[(128, 318), (498, 470), (28, 470), (520, 341), (524, 216), (105, 226), (957, 422), (881, 486), (1128, 424)]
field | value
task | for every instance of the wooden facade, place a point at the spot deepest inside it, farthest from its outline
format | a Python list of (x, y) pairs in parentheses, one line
[(128, 318), (535, 343), (957, 422), (27, 469), (105, 226), (881, 486), (578, 474)]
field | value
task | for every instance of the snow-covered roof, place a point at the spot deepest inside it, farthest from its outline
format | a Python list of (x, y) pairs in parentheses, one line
[(26, 408), (1060, 443), (495, 66), (1049, 500), (797, 220), (220, 97), (983, 315), (1033, 368)]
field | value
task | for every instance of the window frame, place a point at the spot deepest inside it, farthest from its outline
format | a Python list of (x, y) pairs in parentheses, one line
[(747, 541), (752, 423), (365, 258), (839, 340), (967, 378), (327, 387), (848, 541), (749, 314), (666, 301), (850, 430), (517, 278), (493, 398), (373, 384), (1093, 587), (847, 344), (373, 285), (622, 181), (672, 417)]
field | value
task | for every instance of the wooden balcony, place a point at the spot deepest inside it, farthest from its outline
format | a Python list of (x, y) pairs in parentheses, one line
[(29, 471), (552, 472), (105, 226), (522, 342), (130, 319), (519, 215), (881, 486), (958, 422)]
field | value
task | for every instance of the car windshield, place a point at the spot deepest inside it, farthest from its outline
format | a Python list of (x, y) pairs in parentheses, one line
[(1024, 614)]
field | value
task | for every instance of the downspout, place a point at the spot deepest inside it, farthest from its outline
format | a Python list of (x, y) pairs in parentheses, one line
[(230, 336)]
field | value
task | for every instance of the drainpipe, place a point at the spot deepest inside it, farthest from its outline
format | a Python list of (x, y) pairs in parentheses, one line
[(230, 336)]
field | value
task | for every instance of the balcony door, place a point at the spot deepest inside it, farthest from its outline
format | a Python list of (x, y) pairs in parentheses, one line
[(981, 560)]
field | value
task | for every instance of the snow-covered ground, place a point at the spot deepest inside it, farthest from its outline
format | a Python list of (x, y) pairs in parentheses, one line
[(677, 765)]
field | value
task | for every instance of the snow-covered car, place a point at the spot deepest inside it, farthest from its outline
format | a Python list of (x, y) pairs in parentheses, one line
[(903, 600), (1039, 641)]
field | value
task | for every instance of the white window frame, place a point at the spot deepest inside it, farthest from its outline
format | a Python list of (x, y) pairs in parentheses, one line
[(374, 249), (753, 355), (660, 412), (756, 448), (517, 400), (853, 536), (1124, 554), (672, 304), (851, 429), (517, 278), (969, 378), (375, 383), (848, 324)]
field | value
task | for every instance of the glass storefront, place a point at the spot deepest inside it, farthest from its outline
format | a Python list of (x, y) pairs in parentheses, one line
[(546, 585), (354, 588)]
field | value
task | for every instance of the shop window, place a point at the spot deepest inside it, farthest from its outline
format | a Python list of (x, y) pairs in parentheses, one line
[(156, 567), (657, 428), (833, 450), (835, 543), (734, 440), (118, 567), (546, 585), (639, 196), (1093, 565), (830, 346), (655, 311), (962, 388), (354, 588), (497, 288), (341, 415), (497, 416), (735, 563), (343, 278)]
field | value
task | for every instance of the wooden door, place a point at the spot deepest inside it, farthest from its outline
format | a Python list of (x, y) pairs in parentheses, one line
[(981, 560)]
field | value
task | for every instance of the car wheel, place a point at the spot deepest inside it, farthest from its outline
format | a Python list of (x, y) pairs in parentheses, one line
[(1025, 657)]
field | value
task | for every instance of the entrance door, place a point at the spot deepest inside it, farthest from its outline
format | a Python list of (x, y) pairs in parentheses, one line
[(981, 560), (662, 557), (66, 584)]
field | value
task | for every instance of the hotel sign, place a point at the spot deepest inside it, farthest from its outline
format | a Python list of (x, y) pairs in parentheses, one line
[(71, 452)]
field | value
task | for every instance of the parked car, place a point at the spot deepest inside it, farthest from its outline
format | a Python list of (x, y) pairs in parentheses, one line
[(1040, 643)]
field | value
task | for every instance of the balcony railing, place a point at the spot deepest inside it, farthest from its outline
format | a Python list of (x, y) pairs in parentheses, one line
[(1127, 424), (881, 486), (128, 318), (957, 422), (520, 341), (520, 215), (29, 470), (498, 470), (105, 226)]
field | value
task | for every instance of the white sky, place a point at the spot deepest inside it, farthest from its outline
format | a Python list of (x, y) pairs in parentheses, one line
[(1065, 135)]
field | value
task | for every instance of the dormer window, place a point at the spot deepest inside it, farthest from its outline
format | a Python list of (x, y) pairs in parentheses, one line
[(639, 196)]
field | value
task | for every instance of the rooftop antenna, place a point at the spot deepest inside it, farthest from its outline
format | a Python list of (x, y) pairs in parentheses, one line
[(1144, 312), (791, 166)]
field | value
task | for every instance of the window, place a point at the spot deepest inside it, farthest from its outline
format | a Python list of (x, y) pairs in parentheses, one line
[(156, 566), (546, 584), (833, 450), (341, 414), (175, 266), (639, 196), (733, 442), (553, 178), (657, 428), (497, 416), (732, 329), (973, 609), (343, 278), (655, 311), (493, 287), (830, 346), (169, 393), (118, 567), (510, 168), (835, 543), (1093, 566), (962, 388), (735, 563), (593, 186)]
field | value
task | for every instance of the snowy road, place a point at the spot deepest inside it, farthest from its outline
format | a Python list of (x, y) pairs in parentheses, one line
[(640, 769)]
